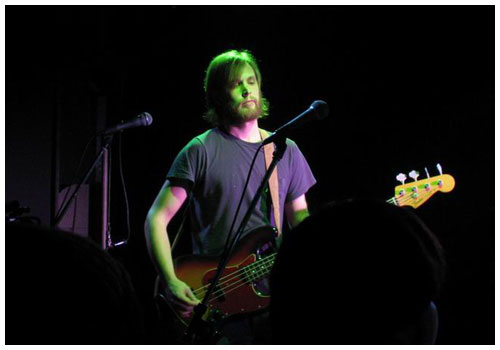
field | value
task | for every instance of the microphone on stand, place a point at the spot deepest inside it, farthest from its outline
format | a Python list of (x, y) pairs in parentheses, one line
[(143, 119), (318, 110)]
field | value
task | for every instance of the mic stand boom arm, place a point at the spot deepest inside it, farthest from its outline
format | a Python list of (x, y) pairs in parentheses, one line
[(200, 309)]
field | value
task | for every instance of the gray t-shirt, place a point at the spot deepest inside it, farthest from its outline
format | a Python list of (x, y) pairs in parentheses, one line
[(217, 164)]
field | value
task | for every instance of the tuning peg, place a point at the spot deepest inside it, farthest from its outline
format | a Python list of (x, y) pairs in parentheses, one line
[(401, 178), (440, 169), (427, 172), (414, 174)]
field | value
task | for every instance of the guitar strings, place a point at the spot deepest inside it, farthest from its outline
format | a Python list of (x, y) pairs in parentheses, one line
[(230, 275), (257, 266), (235, 277), (402, 200), (268, 261), (245, 281)]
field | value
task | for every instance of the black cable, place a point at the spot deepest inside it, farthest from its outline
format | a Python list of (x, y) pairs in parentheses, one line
[(120, 165)]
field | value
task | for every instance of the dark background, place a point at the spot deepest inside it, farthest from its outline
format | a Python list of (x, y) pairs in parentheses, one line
[(408, 87)]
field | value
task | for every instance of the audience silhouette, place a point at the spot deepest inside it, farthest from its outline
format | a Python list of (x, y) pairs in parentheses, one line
[(357, 272), (64, 289)]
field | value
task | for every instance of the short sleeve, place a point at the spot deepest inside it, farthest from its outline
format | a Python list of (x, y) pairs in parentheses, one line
[(189, 163), (301, 176)]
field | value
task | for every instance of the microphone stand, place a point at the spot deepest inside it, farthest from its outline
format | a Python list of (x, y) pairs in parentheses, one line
[(194, 326), (105, 150)]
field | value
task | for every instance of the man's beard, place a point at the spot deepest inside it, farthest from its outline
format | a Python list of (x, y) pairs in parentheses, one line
[(240, 115)]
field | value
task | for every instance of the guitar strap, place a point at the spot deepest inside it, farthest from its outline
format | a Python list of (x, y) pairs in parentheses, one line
[(273, 180)]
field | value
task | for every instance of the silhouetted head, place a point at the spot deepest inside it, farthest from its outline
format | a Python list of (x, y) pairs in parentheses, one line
[(357, 272), (64, 289)]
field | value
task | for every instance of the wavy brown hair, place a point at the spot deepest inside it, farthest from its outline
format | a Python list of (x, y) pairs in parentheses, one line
[(219, 73)]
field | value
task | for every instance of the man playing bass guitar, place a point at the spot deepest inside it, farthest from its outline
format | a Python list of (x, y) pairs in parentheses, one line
[(212, 168)]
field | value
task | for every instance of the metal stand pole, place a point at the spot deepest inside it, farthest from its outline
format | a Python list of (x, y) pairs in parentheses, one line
[(200, 309)]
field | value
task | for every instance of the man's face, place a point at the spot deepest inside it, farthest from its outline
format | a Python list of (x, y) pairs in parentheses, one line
[(244, 93)]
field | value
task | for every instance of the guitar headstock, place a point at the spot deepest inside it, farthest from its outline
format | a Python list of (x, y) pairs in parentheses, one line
[(416, 193)]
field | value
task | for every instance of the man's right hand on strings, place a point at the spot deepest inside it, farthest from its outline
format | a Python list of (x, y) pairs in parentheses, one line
[(181, 297)]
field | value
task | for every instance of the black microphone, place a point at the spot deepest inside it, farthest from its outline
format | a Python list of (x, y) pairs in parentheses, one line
[(318, 110), (143, 119)]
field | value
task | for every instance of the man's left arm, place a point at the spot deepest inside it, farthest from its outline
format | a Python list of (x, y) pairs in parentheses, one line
[(296, 210)]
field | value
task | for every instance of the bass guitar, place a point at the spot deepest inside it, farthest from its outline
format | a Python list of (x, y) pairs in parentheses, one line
[(243, 286)]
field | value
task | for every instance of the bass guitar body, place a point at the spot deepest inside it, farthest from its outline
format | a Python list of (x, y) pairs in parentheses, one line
[(243, 286)]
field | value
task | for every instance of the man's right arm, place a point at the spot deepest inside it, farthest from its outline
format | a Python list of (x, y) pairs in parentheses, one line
[(166, 205)]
